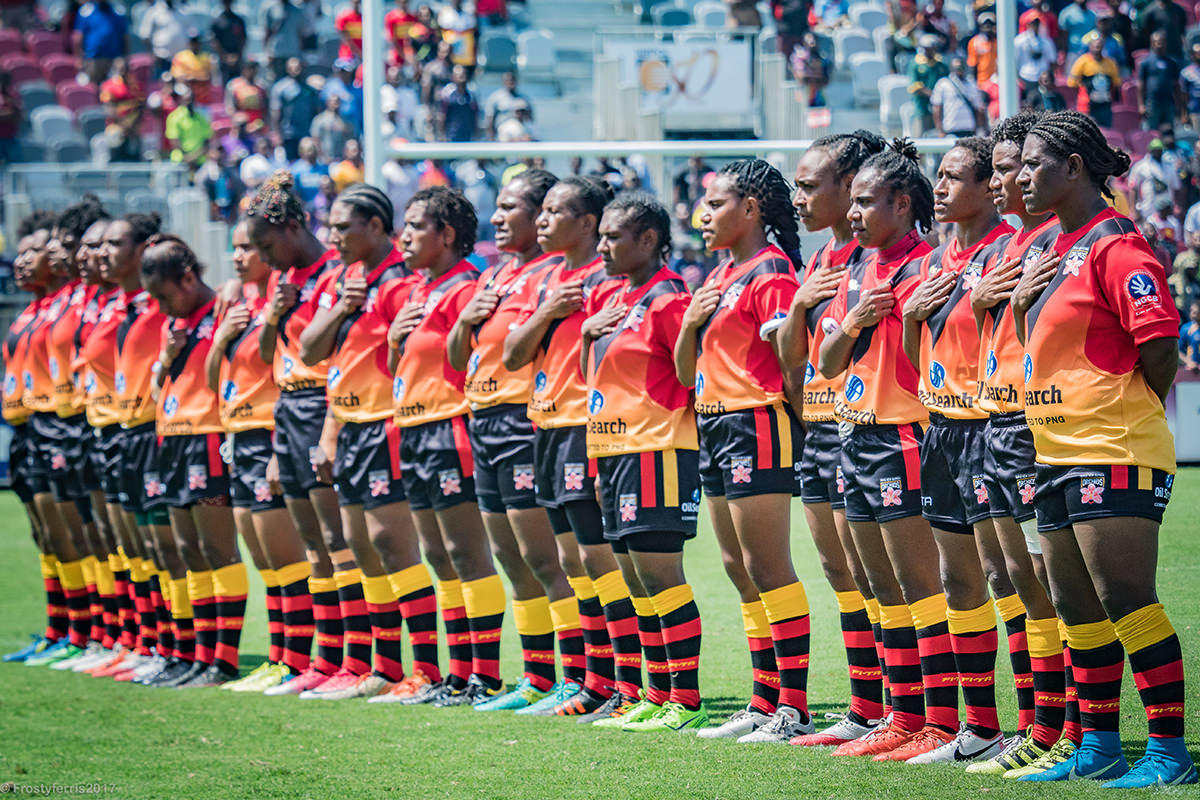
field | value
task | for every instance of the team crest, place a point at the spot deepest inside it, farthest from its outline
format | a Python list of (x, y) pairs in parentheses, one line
[(171, 405), (828, 325), (628, 507), (741, 469), (634, 320), (1074, 259), (992, 363), (262, 492), (573, 477), (288, 365), (853, 284), (153, 486), (378, 483), (450, 482), (971, 276), (699, 383), (1026, 487), (432, 302), (1091, 489), (10, 383), (205, 329), (372, 296), (1028, 364), (539, 382), (197, 477), (981, 492), (523, 477), (892, 491), (730, 297)]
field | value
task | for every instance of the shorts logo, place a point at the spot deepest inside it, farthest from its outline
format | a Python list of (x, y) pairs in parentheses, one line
[(595, 401), (378, 483), (450, 482), (473, 364), (1028, 368), (981, 492), (694, 506), (841, 480), (1091, 489), (1074, 259), (58, 461), (809, 373), (699, 383), (153, 486), (53, 364), (197, 477), (1026, 487), (1143, 291), (288, 365), (229, 391), (892, 491), (398, 388), (741, 469), (89, 383), (171, 405), (854, 388), (262, 492), (828, 325), (118, 381), (10, 383), (573, 477), (937, 375), (539, 382), (992, 363), (523, 477), (628, 506), (335, 377)]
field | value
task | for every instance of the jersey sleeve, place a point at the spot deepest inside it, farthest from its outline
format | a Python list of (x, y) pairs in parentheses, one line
[(770, 299), (668, 320), (1134, 286)]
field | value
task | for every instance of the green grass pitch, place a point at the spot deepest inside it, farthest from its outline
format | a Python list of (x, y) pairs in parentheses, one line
[(126, 741)]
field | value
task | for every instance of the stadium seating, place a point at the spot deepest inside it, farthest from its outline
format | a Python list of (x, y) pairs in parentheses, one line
[(868, 17), (35, 94), (101, 152), (10, 41), (140, 67), (44, 43), (867, 69), (497, 53), (21, 68), (1115, 138), (68, 150), (535, 55), (1138, 140), (59, 67), (710, 14), (76, 95), (91, 121), (883, 41), (145, 201), (52, 122), (893, 97), (848, 41), (671, 17)]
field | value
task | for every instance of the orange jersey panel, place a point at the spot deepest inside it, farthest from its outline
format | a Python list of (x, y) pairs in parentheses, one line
[(949, 337), (291, 373), (60, 350), (821, 392), (41, 374), (139, 341), (186, 404), (736, 366), (96, 358), (488, 382), (1001, 375), (16, 347), (635, 401), (248, 390), (1086, 399)]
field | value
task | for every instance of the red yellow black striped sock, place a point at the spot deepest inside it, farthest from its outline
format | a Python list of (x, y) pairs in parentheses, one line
[(1098, 661), (866, 677), (160, 586), (877, 633), (938, 673), (274, 600), (1012, 612), (1072, 728), (107, 578), (658, 670), (565, 615), (620, 620), (58, 618), (387, 627), (299, 626), (204, 610), (975, 640), (484, 599), (328, 615), (182, 620), (536, 630), (356, 624), (764, 694), (147, 635), (230, 586), (787, 612), (1157, 663), (418, 606), (95, 608), (597, 648), (903, 667), (70, 575), (1049, 679), (681, 631), (126, 605), (458, 633)]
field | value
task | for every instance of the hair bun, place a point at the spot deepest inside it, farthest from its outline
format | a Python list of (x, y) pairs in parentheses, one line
[(905, 147)]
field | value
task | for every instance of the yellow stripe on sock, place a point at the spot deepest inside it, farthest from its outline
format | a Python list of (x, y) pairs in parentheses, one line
[(785, 435), (270, 578), (849, 602), (611, 587), (181, 603), (1091, 635), (116, 562), (671, 599), (484, 597), (786, 602), (49, 566), (643, 606), (1043, 637), (105, 583), (449, 594), (754, 620), (291, 573), (377, 590), (321, 585), (1010, 607), (975, 620), (565, 614), (231, 581), (892, 617), (532, 617), (1140, 629), (70, 575), (347, 577), (670, 481), (88, 566), (200, 585), (872, 609), (928, 611), (409, 580), (582, 586)]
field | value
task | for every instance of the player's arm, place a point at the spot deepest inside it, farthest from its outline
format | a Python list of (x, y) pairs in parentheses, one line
[(286, 295), (704, 303), (1160, 363), (174, 340), (325, 452), (521, 346), (318, 339), (1029, 288), (458, 343), (838, 347), (234, 323), (928, 298)]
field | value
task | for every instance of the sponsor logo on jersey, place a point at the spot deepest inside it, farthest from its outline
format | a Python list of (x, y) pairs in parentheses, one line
[(1091, 489), (595, 401), (741, 469), (523, 477), (197, 477), (937, 375), (809, 373), (335, 377), (540, 381), (89, 382), (473, 364), (27, 381), (378, 482), (699, 383), (229, 391), (288, 365), (153, 486), (1026, 487), (53, 364), (1143, 292), (1028, 363), (828, 325), (10, 383), (992, 363), (573, 477), (398, 388), (855, 387), (692, 506), (171, 405), (841, 479), (981, 492)]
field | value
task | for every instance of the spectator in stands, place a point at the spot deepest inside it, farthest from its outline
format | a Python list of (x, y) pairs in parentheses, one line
[(436, 74), (1189, 336), (458, 23), (165, 31), (229, 41), (283, 26), (218, 179), (1151, 179), (1160, 95), (194, 67), (1034, 53), (349, 24), (518, 126), (744, 13), (330, 129), (1098, 80), (688, 186), (342, 85), (1074, 23), (124, 101), (1043, 10), (501, 104), (1189, 78), (981, 50), (1191, 222), (241, 139), (457, 116), (398, 24), (959, 108), (319, 218), (101, 31), (312, 13), (400, 182), (10, 120), (902, 46), (1154, 240), (351, 169), (398, 102), (1184, 284), (259, 165), (923, 74), (1170, 229), (424, 36), (308, 170), (791, 23), (245, 94), (1121, 22), (932, 21), (493, 12), (1111, 43), (1169, 18), (1045, 96), (294, 105), (188, 130), (811, 69), (689, 264)]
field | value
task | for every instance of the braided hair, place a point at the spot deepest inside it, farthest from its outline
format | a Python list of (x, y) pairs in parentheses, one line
[(1014, 129), (589, 195), (644, 212), (37, 221), (897, 168), (168, 258), (368, 202), (753, 177), (142, 226), (277, 201), (77, 218), (980, 149), (850, 150), (449, 208), (1068, 132), (535, 184)]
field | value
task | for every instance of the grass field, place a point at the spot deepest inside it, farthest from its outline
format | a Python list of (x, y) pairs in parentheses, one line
[(130, 742)]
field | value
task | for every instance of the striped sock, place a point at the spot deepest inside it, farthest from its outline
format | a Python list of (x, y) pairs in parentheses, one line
[(484, 599), (765, 690), (903, 667), (877, 634), (204, 607), (162, 613), (1098, 661), (1157, 663), (107, 578), (938, 673), (274, 599), (787, 612), (147, 633), (182, 618), (418, 605), (387, 627), (299, 627), (681, 629), (975, 640), (597, 648), (126, 613), (658, 669), (1012, 612), (565, 615), (620, 619), (58, 618), (866, 677), (95, 608), (328, 615), (70, 575), (1072, 728), (356, 623), (458, 633), (1049, 679), (230, 587), (536, 630)]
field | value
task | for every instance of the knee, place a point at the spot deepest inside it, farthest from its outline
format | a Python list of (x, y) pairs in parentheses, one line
[(571, 562), (545, 568)]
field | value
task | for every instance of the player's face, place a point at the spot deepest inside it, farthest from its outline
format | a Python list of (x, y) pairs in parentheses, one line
[(821, 199), (873, 215), (23, 266), (175, 298), (119, 252), (559, 226), (246, 261), (957, 195), (623, 250), (273, 245), (1006, 166), (349, 234), (514, 220), (1042, 177), (725, 217), (88, 254), (60, 249), (422, 242)]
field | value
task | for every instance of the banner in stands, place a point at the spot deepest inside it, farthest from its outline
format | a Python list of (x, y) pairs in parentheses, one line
[(694, 77)]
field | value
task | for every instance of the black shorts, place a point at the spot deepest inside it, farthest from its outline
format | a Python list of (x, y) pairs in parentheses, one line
[(436, 465), (750, 452), (248, 487), (89, 474), (366, 469), (18, 463), (882, 466), (59, 453), (502, 445), (653, 491), (143, 486), (953, 493), (563, 472), (1009, 471), (193, 469), (299, 418), (1069, 494), (106, 460), (820, 465)]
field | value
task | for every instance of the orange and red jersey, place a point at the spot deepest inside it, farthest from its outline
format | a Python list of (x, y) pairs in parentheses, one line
[(426, 387), (247, 388), (291, 373), (139, 341), (60, 349), (359, 385), (559, 398), (821, 392), (736, 366), (880, 387), (636, 403), (186, 404), (1001, 376), (41, 376), (949, 337), (1086, 399), (16, 347), (95, 358), (489, 383)]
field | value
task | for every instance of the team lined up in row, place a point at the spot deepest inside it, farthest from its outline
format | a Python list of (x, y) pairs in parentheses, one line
[(566, 409)]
